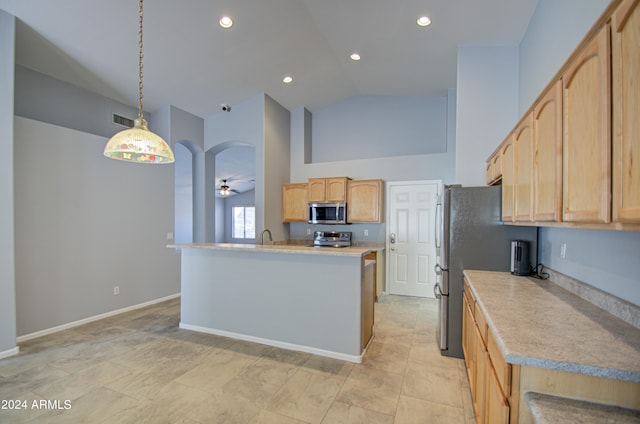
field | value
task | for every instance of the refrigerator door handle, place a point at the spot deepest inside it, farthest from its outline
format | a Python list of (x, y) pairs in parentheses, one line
[(438, 229)]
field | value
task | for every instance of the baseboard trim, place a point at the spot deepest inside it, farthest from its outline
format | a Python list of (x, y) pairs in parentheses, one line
[(275, 343), (10, 352), (83, 321)]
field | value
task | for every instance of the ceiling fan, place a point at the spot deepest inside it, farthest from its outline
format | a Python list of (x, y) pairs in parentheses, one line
[(224, 189)]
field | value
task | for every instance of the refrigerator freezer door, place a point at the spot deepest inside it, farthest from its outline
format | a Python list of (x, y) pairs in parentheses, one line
[(443, 312)]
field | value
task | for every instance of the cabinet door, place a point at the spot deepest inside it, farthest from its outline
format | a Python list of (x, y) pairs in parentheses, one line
[(626, 112), (364, 201), (523, 189), (336, 189), (547, 170), (497, 406), (317, 189), (482, 364), (294, 202), (508, 159), (587, 136)]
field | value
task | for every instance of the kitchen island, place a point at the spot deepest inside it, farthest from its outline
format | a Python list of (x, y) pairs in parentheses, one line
[(302, 298)]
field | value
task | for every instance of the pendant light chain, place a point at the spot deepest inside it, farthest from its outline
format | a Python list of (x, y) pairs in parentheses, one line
[(138, 144), (140, 55)]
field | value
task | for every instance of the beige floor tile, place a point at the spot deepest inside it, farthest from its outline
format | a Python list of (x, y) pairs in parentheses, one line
[(269, 371), (96, 406), (223, 408), (372, 389), (169, 405), (143, 384), (268, 417), (215, 371), (306, 396), (387, 356), (258, 392), (417, 411), (424, 350), (78, 384), (29, 379), (433, 383), (342, 413), (328, 366), (140, 367)]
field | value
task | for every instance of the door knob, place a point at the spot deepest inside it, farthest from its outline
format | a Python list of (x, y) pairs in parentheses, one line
[(393, 249)]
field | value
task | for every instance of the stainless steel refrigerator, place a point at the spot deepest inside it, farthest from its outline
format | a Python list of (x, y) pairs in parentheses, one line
[(469, 235)]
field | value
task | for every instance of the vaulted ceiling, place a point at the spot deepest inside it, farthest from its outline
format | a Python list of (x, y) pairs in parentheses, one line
[(194, 64)]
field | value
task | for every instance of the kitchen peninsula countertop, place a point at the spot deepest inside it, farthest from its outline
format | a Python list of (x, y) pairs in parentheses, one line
[(539, 324), (279, 248)]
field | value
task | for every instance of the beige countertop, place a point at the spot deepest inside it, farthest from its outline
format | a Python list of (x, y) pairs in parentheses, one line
[(539, 324), (277, 248)]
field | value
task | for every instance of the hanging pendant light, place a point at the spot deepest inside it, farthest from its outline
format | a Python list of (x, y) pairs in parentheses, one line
[(138, 144)]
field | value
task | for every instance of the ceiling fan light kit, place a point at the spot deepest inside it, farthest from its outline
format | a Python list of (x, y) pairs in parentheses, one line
[(138, 144)]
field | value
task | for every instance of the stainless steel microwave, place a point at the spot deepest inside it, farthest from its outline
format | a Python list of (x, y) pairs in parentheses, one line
[(327, 213)]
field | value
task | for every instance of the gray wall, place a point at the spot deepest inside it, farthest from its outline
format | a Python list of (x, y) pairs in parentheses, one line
[(555, 29), (391, 167), (365, 127), (46, 99), (605, 259), (487, 97), (7, 257), (84, 224)]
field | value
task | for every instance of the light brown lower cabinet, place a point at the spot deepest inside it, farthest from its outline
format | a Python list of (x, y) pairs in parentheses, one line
[(498, 387), (497, 405), (367, 308)]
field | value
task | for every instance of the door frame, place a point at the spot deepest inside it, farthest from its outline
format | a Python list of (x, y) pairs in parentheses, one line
[(388, 185)]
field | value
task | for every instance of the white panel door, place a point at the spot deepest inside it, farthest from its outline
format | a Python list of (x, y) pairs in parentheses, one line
[(410, 239)]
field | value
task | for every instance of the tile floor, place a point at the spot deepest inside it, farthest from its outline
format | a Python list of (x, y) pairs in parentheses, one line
[(139, 367)]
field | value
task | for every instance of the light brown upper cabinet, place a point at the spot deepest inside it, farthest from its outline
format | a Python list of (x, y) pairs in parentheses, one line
[(586, 164), (508, 179), (328, 189), (294, 202), (523, 189), (494, 168), (547, 167), (364, 201), (626, 111)]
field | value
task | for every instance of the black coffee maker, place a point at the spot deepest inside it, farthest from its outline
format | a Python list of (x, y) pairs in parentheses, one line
[(520, 262)]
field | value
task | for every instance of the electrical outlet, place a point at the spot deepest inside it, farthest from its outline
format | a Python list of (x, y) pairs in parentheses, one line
[(563, 250), (116, 290), (308, 231), (366, 233), (169, 236)]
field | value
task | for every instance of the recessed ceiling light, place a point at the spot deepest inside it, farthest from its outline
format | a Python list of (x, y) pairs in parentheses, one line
[(226, 22), (287, 79), (355, 56), (424, 21)]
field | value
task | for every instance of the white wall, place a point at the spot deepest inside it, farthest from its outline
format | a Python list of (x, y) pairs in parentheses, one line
[(7, 258), (607, 260), (487, 88), (84, 224)]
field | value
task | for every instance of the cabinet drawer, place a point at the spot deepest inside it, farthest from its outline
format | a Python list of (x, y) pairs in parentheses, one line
[(482, 324), (502, 369)]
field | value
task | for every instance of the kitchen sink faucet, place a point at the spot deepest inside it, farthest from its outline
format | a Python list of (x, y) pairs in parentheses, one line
[(262, 236)]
